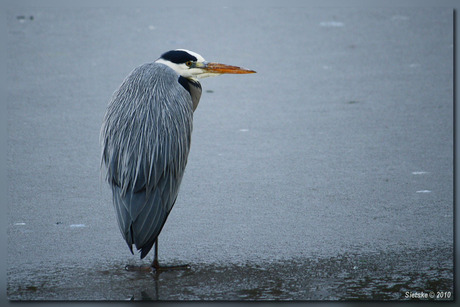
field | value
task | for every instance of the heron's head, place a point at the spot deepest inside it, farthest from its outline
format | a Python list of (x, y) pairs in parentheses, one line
[(191, 65)]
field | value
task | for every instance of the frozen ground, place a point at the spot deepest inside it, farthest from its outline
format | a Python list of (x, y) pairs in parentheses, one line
[(326, 175)]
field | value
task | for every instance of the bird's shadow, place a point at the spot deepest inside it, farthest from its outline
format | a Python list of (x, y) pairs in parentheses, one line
[(152, 292)]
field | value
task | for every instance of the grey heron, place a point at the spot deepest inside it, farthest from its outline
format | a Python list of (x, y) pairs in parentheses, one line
[(145, 140)]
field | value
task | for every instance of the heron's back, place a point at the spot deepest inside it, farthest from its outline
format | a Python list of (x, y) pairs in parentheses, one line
[(146, 140)]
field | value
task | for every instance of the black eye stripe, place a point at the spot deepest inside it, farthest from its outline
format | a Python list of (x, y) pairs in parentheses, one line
[(178, 56)]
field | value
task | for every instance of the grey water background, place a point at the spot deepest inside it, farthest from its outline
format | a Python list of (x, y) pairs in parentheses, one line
[(328, 175)]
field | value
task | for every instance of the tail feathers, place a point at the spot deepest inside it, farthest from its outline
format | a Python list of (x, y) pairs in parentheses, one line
[(146, 249), (139, 227), (130, 242)]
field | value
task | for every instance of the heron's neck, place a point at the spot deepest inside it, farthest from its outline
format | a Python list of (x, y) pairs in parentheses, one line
[(193, 87)]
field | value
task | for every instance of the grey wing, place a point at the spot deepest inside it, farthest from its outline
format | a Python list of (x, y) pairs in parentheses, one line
[(142, 215), (146, 141)]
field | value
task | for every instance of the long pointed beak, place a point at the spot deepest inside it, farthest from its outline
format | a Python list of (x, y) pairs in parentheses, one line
[(226, 69)]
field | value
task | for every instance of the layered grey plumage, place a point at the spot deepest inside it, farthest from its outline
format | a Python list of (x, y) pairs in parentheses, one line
[(146, 140)]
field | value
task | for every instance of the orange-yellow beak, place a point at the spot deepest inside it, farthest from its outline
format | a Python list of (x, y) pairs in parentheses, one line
[(218, 68)]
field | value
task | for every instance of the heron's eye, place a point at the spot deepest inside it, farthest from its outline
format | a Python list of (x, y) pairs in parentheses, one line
[(188, 63)]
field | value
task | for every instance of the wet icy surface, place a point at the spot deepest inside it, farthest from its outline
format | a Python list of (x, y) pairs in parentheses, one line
[(326, 175), (377, 276)]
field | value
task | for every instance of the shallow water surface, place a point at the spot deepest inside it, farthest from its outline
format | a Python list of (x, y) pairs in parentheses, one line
[(378, 276)]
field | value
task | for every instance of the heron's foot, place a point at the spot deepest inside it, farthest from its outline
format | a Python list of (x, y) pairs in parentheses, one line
[(138, 268), (159, 268)]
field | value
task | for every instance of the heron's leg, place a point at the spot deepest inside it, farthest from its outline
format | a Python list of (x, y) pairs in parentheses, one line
[(156, 265)]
